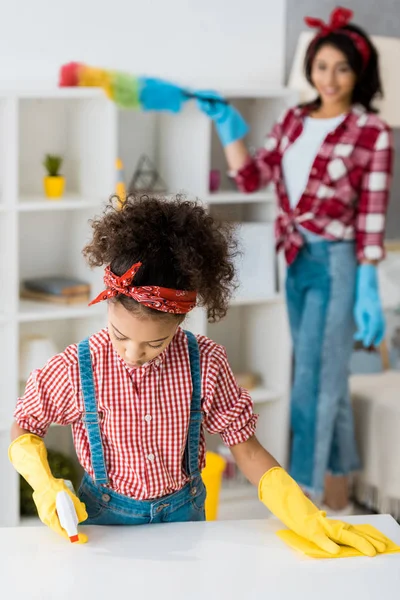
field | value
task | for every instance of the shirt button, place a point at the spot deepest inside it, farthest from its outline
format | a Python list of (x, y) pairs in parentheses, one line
[(148, 418), (151, 457)]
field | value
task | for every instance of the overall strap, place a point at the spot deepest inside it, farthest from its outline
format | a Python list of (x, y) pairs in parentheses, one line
[(192, 450), (91, 415)]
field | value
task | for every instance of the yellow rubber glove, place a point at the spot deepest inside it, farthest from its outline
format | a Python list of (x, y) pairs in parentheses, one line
[(28, 454), (284, 498), (299, 543)]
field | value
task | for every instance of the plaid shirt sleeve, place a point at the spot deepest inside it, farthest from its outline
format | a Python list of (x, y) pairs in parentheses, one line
[(258, 171), (228, 409), (49, 398), (373, 199)]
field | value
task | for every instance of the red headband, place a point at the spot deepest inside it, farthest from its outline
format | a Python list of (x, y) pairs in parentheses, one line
[(338, 19), (159, 298)]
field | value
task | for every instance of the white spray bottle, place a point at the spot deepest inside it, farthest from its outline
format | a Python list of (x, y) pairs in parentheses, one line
[(67, 515)]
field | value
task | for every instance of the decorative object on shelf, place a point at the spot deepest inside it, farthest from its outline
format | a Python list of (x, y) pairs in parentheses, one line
[(54, 182), (215, 180), (120, 189), (35, 351), (63, 290), (61, 466), (146, 178), (248, 380), (130, 91)]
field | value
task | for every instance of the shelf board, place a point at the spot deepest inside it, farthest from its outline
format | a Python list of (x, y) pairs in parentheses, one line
[(235, 197), (34, 203), (31, 311), (262, 395)]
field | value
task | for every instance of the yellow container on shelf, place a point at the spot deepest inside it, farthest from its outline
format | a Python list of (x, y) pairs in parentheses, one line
[(54, 186), (212, 478)]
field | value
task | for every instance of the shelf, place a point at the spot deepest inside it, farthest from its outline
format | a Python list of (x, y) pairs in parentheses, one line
[(234, 197), (31, 311), (261, 395), (256, 301), (68, 202)]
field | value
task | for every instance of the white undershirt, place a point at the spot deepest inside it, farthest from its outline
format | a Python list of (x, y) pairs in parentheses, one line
[(299, 157)]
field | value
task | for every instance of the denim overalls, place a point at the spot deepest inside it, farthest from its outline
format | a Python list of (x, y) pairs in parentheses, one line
[(106, 507)]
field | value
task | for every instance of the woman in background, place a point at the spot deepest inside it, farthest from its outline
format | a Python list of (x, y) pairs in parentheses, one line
[(331, 161)]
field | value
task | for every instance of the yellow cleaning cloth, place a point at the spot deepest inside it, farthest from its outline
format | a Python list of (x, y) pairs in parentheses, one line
[(299, 543)]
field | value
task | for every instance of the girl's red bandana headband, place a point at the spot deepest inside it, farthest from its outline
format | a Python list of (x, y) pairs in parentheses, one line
[(339, 18), (159, 298)]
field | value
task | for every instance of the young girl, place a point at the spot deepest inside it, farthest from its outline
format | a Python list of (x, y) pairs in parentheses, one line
[(331, 161), (139, 393)]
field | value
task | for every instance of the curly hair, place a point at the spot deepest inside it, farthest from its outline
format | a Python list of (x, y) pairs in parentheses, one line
[(179, 244), (368, 85)]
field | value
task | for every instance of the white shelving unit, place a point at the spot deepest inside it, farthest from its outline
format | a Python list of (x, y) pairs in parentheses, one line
[(40, 237), (43, 237)]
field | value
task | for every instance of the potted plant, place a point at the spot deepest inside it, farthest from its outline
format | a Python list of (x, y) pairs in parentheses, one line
[(54, 183)]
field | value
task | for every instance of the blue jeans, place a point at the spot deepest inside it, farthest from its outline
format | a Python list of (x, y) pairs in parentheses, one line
[(320, 289), (107, 507)]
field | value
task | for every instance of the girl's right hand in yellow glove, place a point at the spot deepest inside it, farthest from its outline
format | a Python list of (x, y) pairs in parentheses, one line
[(45, 500), (28, 454), (284, 498)]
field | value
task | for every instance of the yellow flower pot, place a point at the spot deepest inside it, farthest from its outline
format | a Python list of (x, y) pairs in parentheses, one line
[(54, 186)]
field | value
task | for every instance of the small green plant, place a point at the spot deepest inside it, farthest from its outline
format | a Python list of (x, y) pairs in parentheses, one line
[(52, 163)]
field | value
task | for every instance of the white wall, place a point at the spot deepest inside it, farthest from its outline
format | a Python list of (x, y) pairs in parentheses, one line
[(207, 42)]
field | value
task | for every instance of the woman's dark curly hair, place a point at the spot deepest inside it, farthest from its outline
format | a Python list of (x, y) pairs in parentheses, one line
[(368, 85), (178, 243)]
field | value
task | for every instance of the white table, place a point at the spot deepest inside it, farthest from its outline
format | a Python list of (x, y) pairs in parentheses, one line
[(225, 560)]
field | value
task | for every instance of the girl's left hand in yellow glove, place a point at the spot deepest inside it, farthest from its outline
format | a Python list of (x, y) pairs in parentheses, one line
[(284, 498)]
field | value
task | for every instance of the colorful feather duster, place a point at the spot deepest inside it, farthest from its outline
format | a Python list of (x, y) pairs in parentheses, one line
[(129, 91)]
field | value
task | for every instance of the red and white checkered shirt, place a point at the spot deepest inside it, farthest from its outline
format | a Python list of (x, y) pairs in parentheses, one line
[(348, 188), (144, 412)]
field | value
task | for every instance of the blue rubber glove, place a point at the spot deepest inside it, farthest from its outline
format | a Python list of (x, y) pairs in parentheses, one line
[(228, 121), (368, 311), (156, 94)]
